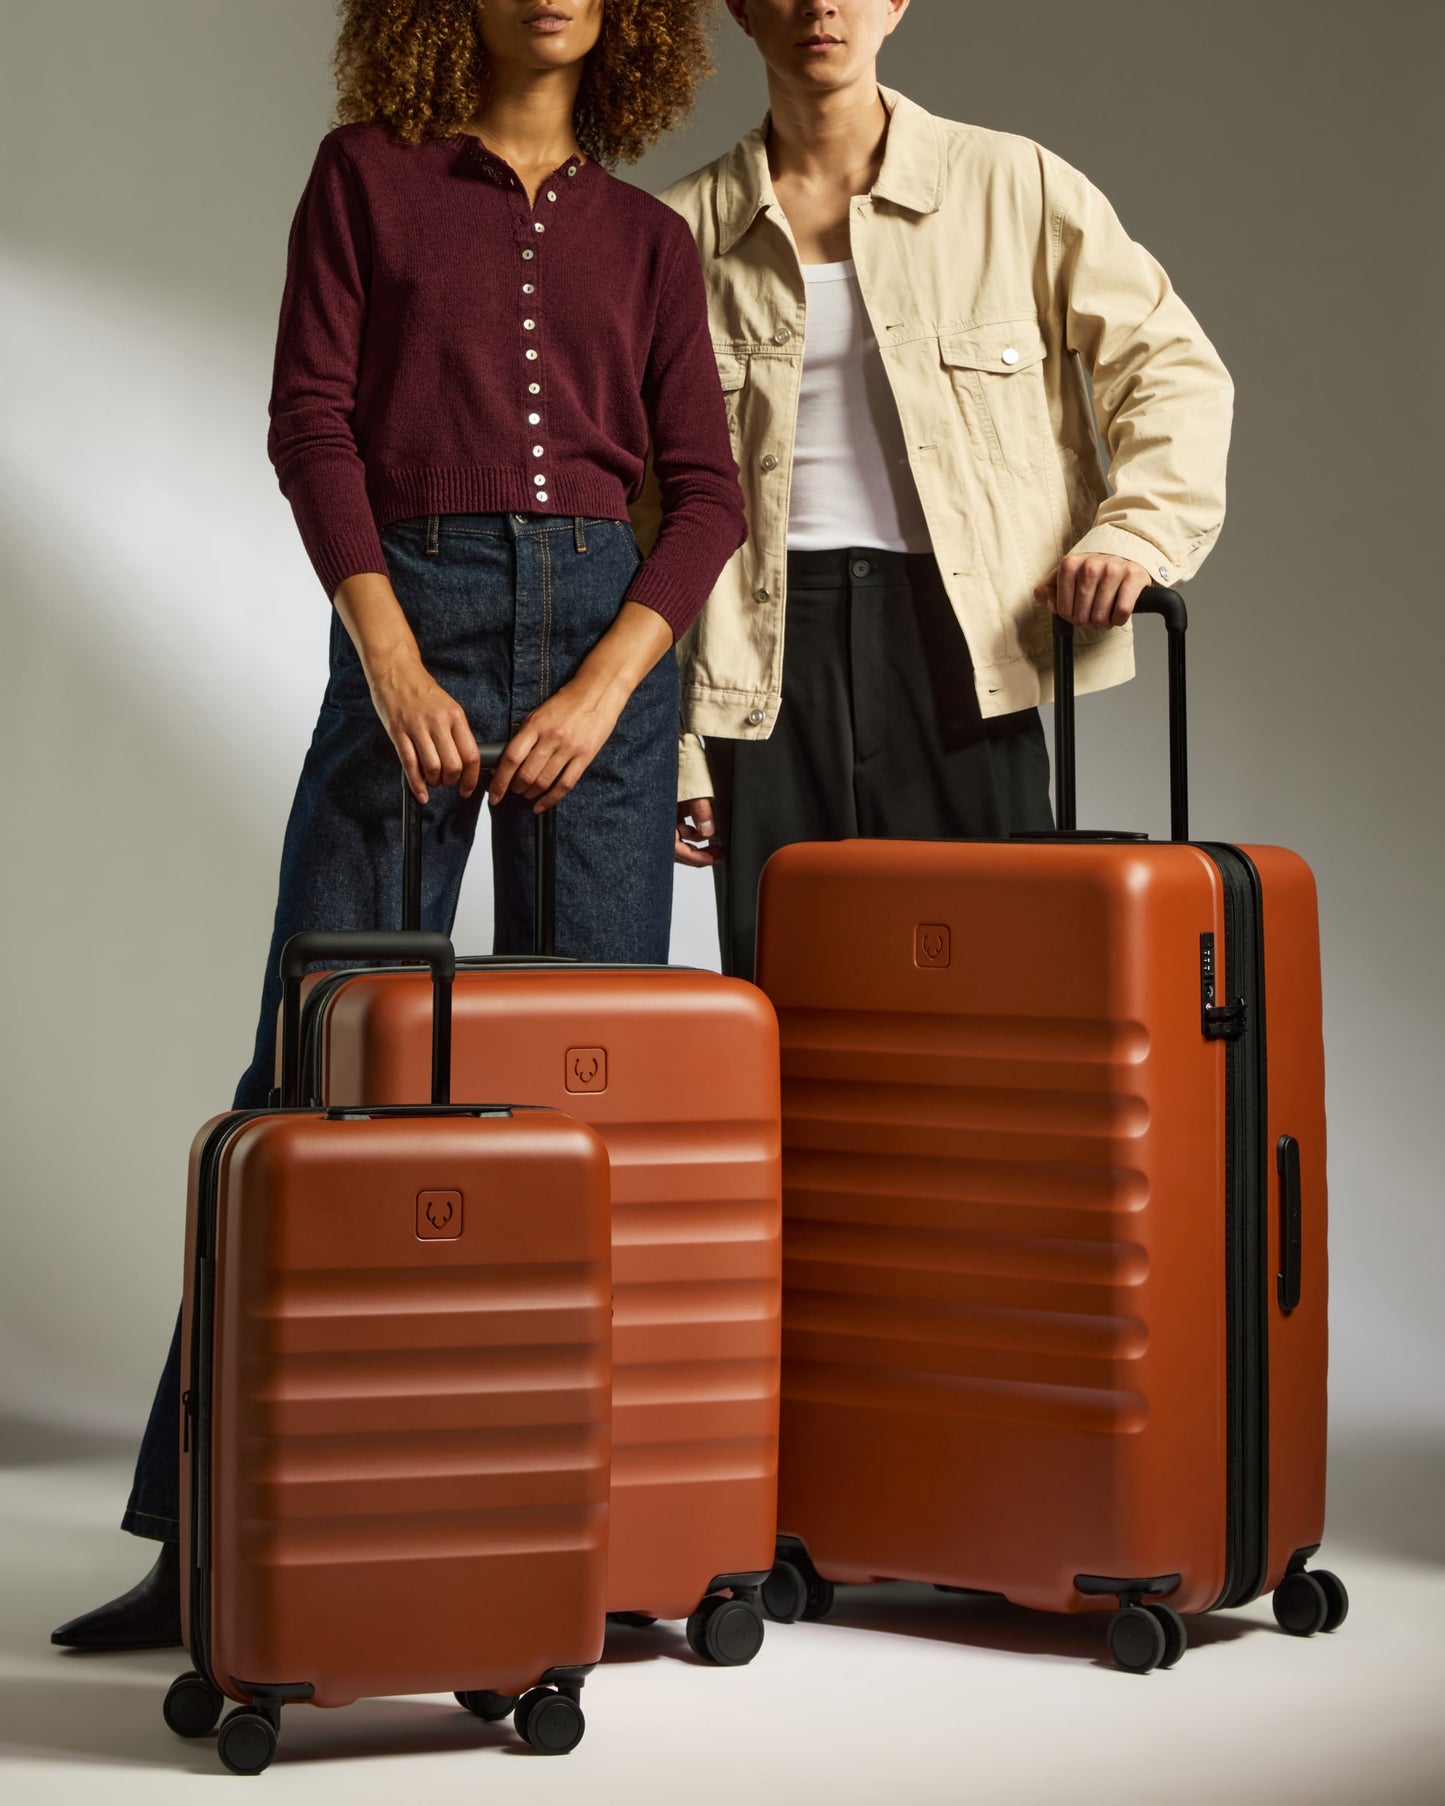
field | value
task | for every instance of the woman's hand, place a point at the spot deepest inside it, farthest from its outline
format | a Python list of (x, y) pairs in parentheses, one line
[(558, 741), (427, 727)]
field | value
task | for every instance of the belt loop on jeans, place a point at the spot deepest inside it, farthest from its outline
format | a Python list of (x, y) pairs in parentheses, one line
[(578, 536), (433, 533)]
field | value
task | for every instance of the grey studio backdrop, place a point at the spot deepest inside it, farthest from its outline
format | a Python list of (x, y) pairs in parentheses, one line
[(164, 639)]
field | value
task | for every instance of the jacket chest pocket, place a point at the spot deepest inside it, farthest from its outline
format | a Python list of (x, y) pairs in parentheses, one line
[(997, 372), (732, 373)]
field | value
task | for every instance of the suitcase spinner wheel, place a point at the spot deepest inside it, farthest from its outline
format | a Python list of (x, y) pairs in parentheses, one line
[(1308, 1602), (1144, 1637), (192, 1705), (493, 1707), (248, 1739), (726, 1632), (795, 1589), (550, 1719)]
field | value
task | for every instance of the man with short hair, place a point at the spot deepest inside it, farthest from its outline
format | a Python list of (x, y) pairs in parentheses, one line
[(903, 310)]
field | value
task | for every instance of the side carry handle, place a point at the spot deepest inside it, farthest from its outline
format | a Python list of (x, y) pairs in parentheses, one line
[(544, 885), (1290, 1224), (378, 945), (1168, 604)]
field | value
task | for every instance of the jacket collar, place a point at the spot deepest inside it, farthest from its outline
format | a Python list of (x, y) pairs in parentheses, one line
[(911, 176)]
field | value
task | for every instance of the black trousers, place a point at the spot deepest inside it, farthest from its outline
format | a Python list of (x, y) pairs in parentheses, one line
[(879, 734)]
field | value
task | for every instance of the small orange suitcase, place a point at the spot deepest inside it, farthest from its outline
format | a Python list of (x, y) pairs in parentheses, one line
[(396, 1379), (677, 1070), (1054, 1319)]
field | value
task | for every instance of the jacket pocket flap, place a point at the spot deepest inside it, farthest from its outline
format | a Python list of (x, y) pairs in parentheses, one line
[(732, 371), (1002, 348)]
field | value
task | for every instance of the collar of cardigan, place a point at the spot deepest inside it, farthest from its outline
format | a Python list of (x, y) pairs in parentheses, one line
[(473, 158)]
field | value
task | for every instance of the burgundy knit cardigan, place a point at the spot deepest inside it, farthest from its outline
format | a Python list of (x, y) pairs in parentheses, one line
[(445, 348)]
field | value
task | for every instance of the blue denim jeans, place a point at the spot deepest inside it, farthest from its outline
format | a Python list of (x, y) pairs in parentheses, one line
[(504, 608)]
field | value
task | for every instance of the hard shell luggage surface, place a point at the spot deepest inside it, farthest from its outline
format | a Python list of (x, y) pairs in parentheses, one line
[(397, 1384), (1044, 1102), (677, 1070)]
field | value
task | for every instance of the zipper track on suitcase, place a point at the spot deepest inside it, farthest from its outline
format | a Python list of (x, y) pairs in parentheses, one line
[(1246, 1235)]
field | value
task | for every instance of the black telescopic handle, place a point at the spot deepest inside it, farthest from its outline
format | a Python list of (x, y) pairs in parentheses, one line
[(544, 883), (1168, 604), (433, 950)]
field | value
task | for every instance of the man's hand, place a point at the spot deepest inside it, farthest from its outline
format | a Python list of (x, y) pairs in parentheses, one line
[(697, 837), (1092, 589)]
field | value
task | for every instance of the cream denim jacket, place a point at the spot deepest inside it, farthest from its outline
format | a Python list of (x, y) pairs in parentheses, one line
[(996, 279)]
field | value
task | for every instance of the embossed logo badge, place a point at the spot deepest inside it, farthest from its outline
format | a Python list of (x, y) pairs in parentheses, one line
[(586, 1069), (438, 1215), (930, 944)]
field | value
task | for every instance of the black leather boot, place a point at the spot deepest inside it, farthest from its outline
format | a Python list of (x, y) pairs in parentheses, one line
[(147, 1617)]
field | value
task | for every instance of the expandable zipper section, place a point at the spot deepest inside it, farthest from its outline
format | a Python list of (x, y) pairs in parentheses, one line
[(203, 1305), (1246, 1233)]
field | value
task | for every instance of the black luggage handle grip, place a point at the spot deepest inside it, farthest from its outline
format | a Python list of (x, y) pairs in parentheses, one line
[(1169, 605), (544, 882), (433, 950)]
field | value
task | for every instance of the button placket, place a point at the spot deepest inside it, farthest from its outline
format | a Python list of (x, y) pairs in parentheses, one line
[(531, 312)]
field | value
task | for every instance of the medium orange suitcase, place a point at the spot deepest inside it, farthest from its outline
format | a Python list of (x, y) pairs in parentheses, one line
[(677, 1070), (396, 1379), (1054, 1320)]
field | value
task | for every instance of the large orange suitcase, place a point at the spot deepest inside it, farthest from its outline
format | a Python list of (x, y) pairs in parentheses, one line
[(1054, 1218), (396, 1381), (677, 1070)]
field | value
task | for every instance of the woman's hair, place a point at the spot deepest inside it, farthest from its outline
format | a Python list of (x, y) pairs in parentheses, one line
[(421, 66)]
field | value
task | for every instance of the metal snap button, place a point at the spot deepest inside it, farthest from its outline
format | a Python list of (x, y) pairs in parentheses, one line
[(769, 462), (519, 517), (1010, 356), (762, 595), (757, 718), (1164, 573), (861, 567), (781, 336)]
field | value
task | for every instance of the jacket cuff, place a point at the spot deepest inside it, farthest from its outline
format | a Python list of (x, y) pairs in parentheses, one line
[(1115, 542), (693, 777)]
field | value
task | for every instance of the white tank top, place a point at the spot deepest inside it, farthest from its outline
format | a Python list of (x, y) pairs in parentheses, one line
[(852, 485)]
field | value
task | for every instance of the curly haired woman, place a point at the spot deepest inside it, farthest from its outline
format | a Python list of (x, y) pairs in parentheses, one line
[(482, 332)]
